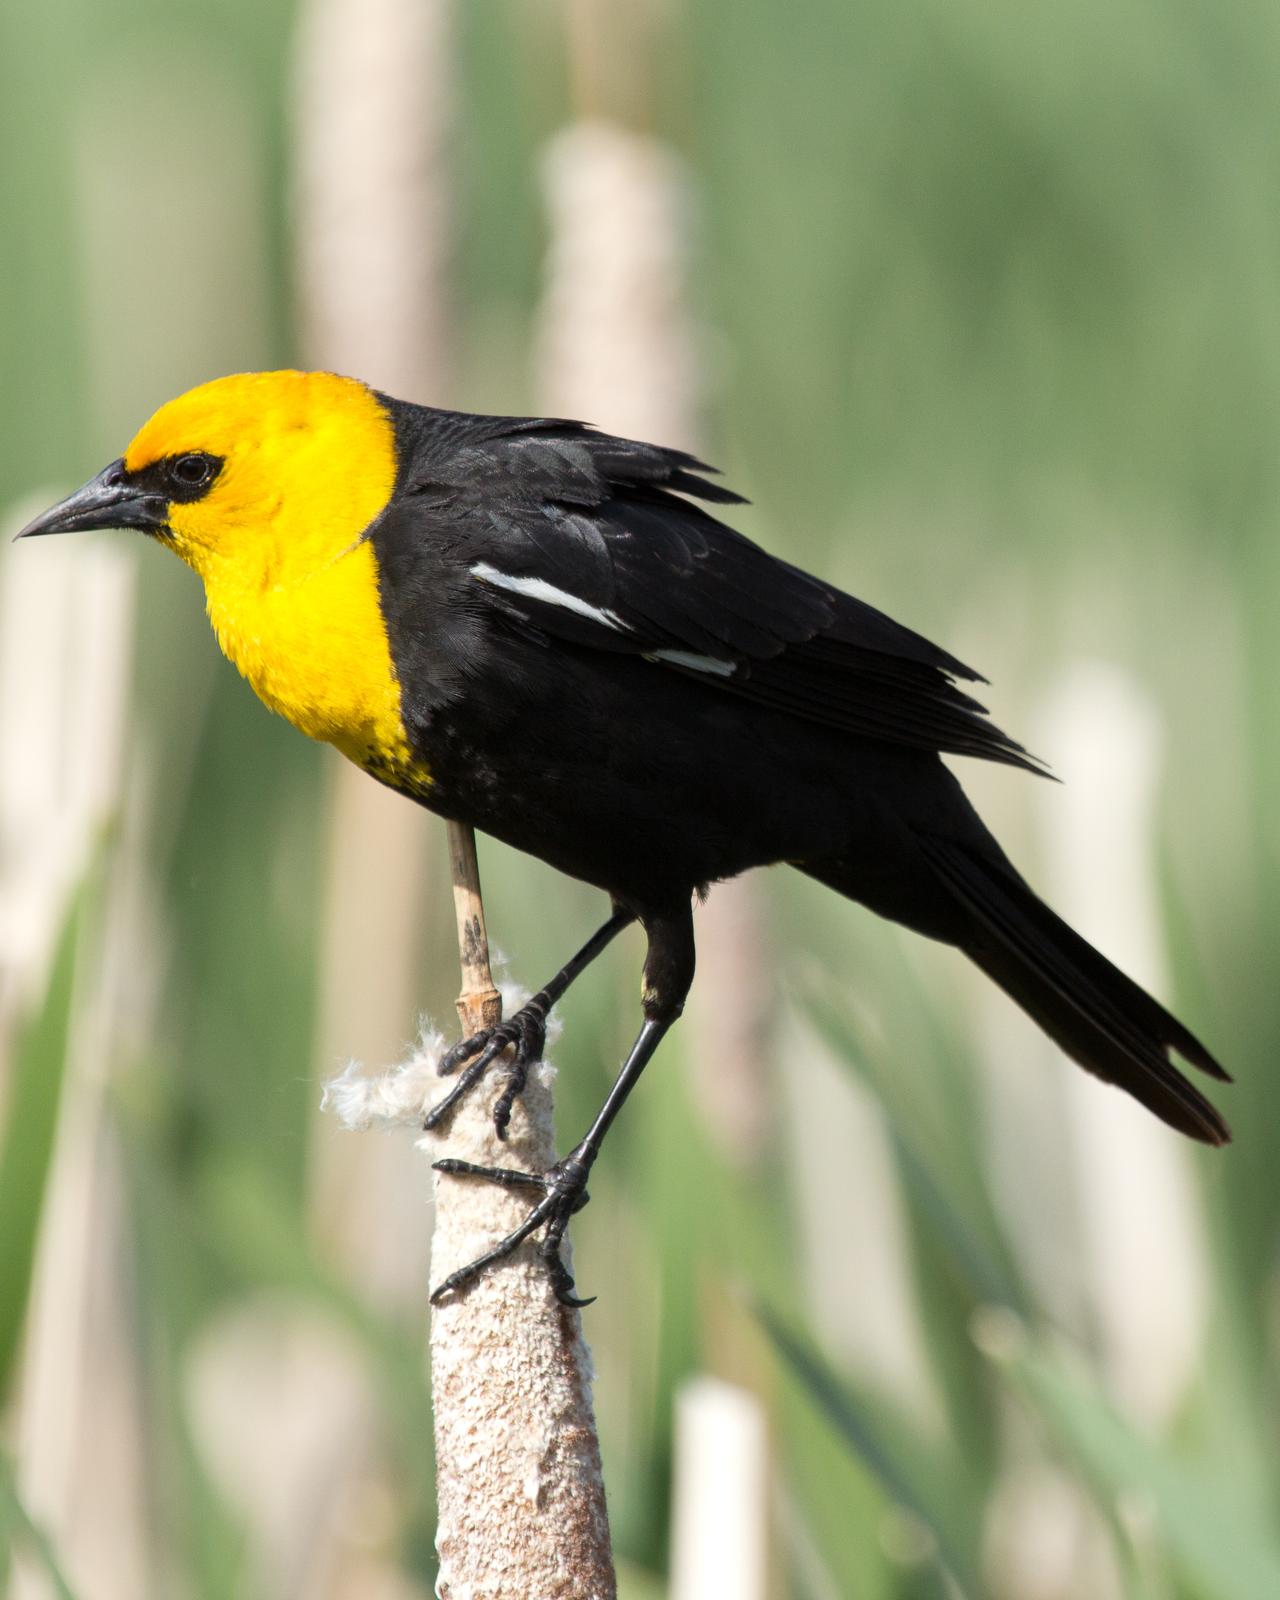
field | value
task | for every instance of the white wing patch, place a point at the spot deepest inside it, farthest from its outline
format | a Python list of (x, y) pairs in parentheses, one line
[(548, 594), (540, 589), (695, 663)]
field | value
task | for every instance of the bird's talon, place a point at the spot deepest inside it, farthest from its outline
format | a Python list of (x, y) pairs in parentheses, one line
[(525, 1031), (562, 1280), (564, 1193), (507, 1177), (460, 1052), (445, 1108), (517, 1078)]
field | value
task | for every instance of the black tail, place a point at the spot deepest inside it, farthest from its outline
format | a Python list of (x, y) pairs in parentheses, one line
[(1099, 1017)]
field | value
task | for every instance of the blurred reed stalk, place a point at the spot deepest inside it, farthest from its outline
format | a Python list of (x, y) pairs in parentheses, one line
[(1128, 1270), (372, 211), (372, 214), (1139, 1215), (721, 1466), (508, 1363), (617, 345), (280, 1400), (90, 1444), (66, 619), (64, 665)]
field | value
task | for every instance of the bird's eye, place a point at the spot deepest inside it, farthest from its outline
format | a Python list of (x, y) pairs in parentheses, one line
[(190, 474)]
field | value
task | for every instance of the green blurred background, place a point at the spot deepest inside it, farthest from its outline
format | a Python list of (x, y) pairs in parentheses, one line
[(979, 305)]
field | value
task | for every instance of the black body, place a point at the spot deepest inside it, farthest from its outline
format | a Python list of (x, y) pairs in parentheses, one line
[(794, 723)]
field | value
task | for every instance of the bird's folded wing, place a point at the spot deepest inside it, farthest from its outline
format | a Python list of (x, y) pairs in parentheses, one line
[(578, 537)]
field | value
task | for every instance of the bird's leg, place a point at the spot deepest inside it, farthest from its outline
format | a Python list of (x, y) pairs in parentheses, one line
[(563, 1187), (526, 1029), (668, 974)]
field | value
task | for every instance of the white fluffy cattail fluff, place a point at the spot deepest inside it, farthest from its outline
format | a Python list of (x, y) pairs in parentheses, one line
[(398, 1096), (401, 1096)]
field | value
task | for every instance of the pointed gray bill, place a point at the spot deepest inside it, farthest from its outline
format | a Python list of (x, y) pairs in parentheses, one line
[(110, 500)]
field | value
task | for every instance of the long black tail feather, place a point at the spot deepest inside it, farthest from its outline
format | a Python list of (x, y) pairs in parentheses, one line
[(1100, 1018)]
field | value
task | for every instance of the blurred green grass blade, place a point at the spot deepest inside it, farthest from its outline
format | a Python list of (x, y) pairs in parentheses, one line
[(257, 1232), (30, 1128), (254, 1227), (958, 1208), (19, 1532), (1215, 1542), (903, 1470), (636, 1583), (984, 1275)]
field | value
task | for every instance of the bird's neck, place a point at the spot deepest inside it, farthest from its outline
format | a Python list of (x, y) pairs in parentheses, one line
[(314, 646)]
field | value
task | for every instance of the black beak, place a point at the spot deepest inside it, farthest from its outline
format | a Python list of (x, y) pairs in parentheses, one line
[(108, 501)]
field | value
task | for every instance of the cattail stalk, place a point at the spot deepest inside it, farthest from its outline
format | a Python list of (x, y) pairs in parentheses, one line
[(519, 1481)]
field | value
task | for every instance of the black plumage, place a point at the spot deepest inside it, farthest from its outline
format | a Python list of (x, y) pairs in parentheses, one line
[(598, 671), (582, 660)]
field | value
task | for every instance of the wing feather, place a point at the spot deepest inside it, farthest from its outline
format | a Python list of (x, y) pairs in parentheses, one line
[(604, 547)]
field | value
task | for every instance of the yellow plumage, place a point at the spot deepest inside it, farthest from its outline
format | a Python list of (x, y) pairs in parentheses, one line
[(290, 583)]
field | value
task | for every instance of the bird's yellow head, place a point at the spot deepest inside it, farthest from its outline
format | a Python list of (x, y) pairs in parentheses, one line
[(268, 474), (266, 483), (258, 478)]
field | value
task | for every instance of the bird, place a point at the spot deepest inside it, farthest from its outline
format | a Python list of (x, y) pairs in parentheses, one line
[(551, 634)]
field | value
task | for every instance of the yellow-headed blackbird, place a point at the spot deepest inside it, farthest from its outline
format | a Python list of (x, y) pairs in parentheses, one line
[(535, 628)]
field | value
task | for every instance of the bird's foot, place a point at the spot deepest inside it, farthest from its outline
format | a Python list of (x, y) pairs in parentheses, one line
[(564, 1191), (526, 1030)]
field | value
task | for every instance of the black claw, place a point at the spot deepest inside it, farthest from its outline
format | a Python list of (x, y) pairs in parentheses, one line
[(526, 1030), (564, 1193), (562, 1281), (564, 1291), (508, 1177), (446, 1107), (517, 1078), (453, 1058)]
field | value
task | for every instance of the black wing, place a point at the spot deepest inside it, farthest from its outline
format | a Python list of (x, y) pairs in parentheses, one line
[(577, 536)]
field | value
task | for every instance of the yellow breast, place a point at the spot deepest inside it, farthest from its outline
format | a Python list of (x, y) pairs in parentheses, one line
[(316, 651)]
